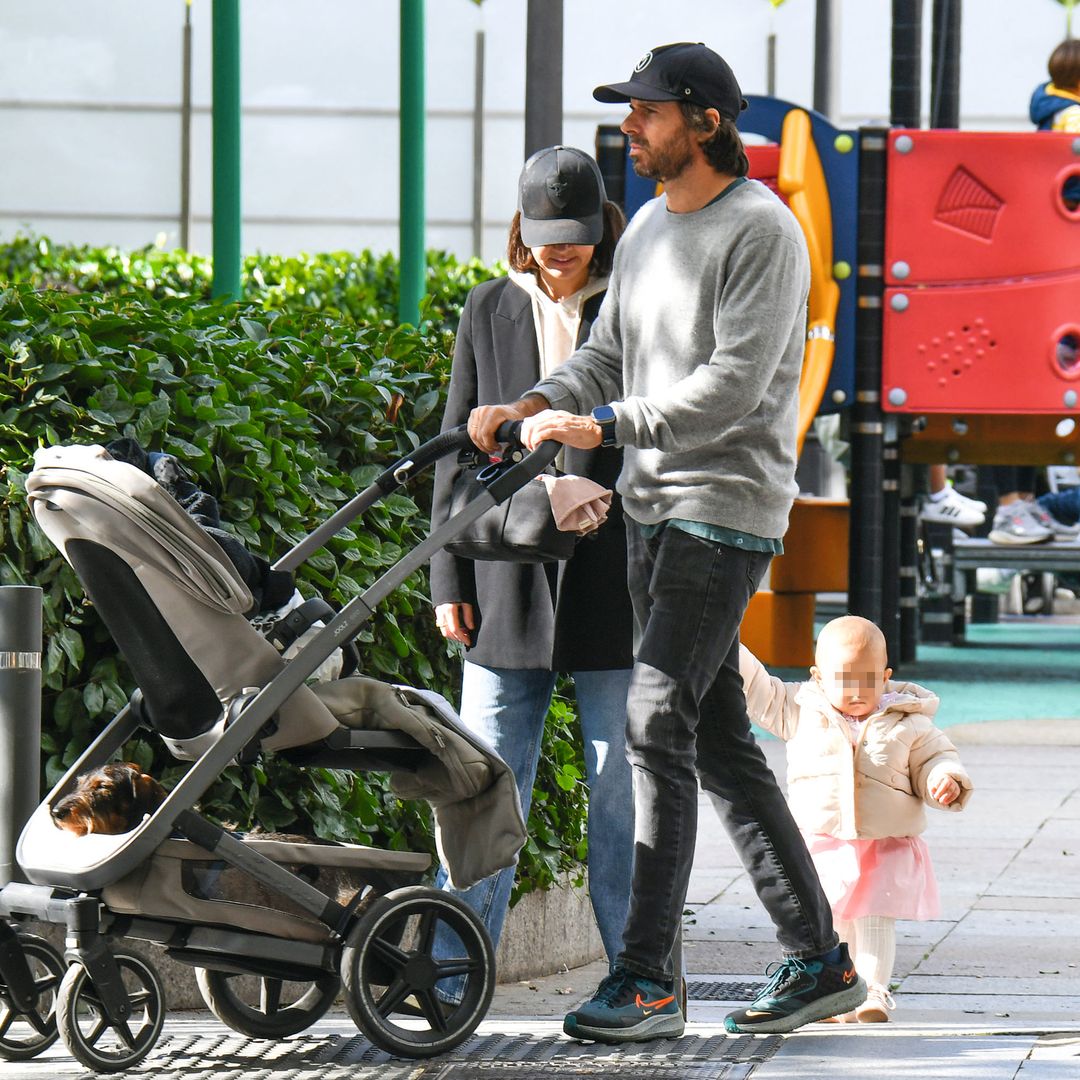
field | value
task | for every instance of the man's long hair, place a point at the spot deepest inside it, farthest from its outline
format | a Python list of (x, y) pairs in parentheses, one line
[(724, 151)]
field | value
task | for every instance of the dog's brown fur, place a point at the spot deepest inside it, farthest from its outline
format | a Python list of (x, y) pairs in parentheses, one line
[(109, 800)]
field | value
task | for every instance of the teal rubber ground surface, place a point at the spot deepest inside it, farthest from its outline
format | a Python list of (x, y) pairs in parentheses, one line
[(1022, 669)]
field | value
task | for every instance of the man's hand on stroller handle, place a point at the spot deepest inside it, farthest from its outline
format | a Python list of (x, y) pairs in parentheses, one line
[(485, 420), (455, 621), (570, 429)]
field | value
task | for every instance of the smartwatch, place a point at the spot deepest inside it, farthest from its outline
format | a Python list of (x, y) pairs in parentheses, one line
[(604, 415)]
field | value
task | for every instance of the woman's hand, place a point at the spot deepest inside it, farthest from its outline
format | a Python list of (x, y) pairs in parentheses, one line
[(455, 621)]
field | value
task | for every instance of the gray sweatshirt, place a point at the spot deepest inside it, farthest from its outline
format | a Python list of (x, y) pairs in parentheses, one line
[(698, 347)]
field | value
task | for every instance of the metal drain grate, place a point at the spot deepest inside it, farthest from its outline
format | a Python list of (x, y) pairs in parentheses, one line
[(519, 1057), (723, 991)]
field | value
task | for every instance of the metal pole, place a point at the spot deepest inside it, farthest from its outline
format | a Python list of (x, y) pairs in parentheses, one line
[(865, 565), (226, 117), (905, 102), (770, 65), (411, 183), (543, 74), (824, 75), (478, 150), (945, 64), (185, 135), (20, 717)]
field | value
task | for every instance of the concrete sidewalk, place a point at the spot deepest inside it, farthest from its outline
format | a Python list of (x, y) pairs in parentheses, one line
[(991, 991)]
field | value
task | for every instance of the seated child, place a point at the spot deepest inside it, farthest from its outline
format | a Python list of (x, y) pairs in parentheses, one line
[(1055, 106), (863, 757)]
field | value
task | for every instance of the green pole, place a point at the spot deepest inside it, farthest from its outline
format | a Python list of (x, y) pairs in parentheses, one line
[(411, 213), (226, 116)]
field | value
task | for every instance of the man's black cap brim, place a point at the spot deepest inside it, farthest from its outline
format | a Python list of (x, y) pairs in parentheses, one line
[(622, 92)]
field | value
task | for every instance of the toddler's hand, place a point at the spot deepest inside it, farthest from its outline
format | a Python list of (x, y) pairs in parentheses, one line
[(945, 791)]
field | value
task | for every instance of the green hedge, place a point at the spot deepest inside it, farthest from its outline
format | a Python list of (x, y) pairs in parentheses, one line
[(283, 412), (358, 286)]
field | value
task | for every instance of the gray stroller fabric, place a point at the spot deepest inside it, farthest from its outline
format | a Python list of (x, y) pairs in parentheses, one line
[(81, 493), (478, 822)]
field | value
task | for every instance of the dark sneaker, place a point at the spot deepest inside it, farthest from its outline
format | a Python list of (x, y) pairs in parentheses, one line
[(799, 992), (627, 1008)]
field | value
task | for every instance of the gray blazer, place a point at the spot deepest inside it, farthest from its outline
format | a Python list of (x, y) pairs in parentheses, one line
[(571, 616)]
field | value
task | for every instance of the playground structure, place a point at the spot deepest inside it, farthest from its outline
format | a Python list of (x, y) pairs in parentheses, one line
[(943, 318)]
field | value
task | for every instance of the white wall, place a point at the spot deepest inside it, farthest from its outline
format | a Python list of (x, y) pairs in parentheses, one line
[(90, 92)]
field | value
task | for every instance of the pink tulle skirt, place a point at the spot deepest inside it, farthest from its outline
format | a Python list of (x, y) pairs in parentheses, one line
[(892, 876)]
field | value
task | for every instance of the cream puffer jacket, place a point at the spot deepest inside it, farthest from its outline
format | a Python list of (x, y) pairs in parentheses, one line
[(874, 789)]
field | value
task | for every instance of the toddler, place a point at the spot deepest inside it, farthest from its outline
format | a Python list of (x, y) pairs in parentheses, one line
[(863, 757)]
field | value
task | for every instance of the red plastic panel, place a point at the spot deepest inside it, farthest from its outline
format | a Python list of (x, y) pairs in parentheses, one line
[(979, 206), (1005, 347), (765, 165)]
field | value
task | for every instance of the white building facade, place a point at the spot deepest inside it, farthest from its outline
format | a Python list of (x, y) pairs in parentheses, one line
[(90, 110)]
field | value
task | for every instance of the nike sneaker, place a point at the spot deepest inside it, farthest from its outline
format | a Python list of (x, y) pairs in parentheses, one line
[(800, 992), (627, 1008)]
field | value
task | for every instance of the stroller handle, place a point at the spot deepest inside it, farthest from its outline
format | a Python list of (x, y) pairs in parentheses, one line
[(404, 469)]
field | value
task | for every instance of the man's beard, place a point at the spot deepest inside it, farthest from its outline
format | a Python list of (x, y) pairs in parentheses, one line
[(665, 163)]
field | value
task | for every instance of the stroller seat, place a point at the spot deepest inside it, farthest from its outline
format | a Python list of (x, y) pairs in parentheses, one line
[(176, 608)]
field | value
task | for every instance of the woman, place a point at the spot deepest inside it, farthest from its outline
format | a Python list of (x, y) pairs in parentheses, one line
[(523, 624)]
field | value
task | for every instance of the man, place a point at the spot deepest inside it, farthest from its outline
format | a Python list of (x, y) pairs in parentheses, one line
[(693, 367)]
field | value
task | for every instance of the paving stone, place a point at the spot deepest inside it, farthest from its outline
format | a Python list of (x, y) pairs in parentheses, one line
[(887, 1056)]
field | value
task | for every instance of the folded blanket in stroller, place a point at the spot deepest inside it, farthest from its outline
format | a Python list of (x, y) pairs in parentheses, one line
[(176, 606)]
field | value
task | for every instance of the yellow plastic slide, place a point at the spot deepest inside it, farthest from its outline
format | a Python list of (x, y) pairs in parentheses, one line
[(802, 180)]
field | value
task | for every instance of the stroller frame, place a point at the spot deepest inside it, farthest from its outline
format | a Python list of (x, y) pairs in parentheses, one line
[(381, 938)]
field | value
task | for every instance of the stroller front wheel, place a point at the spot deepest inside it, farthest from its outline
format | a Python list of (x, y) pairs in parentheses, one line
[(90, 1037), (397, 988), (275, 1009)]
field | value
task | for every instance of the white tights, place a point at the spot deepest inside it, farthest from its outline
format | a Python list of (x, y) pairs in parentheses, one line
[(872, 943)]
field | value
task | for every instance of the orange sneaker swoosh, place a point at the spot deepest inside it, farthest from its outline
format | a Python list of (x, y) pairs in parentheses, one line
[(659, 1003), (849, 975)]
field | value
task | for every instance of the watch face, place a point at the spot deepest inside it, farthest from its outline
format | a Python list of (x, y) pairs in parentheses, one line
[(603, 414)]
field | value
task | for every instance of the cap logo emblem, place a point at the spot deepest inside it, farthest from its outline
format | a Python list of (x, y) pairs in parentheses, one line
[(643, 63), (557, 186)]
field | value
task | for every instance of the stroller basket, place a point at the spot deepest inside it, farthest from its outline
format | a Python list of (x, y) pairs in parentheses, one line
[(213, 688)]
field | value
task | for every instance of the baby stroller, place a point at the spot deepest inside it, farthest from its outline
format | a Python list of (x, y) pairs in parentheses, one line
[(215, 690)]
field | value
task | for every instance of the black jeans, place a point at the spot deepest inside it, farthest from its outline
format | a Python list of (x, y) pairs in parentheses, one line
[(686, 719)]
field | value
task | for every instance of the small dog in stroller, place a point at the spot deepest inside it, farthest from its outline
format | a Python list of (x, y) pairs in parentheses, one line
[(110, 800), (131, 860)]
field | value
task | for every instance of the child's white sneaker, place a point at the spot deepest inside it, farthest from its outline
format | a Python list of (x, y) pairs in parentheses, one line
[(952, 508), (877, 1006)]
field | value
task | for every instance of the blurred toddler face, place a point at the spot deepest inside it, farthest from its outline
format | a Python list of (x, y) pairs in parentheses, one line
[(851, 675)]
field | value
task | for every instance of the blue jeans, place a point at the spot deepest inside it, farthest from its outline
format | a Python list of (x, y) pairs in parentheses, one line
[(508, 708), (687, 720), (1063, 505)]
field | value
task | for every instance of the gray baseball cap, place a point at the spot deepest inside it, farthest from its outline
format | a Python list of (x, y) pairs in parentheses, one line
[(561, 198)]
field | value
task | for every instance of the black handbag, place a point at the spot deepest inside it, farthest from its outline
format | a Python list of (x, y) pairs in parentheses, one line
[(522, 529)]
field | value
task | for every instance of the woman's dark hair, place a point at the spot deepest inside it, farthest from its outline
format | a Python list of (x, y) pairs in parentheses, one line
[(724, 151), (1064, 65), (520, 257)]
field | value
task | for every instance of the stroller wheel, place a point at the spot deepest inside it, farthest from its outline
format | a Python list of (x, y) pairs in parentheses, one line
[(393, 979), (86, 1030), (265, 1008), (25, 1035)]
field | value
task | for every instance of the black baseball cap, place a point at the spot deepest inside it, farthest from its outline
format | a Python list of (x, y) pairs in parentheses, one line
[(561, 198), (685, 71)]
